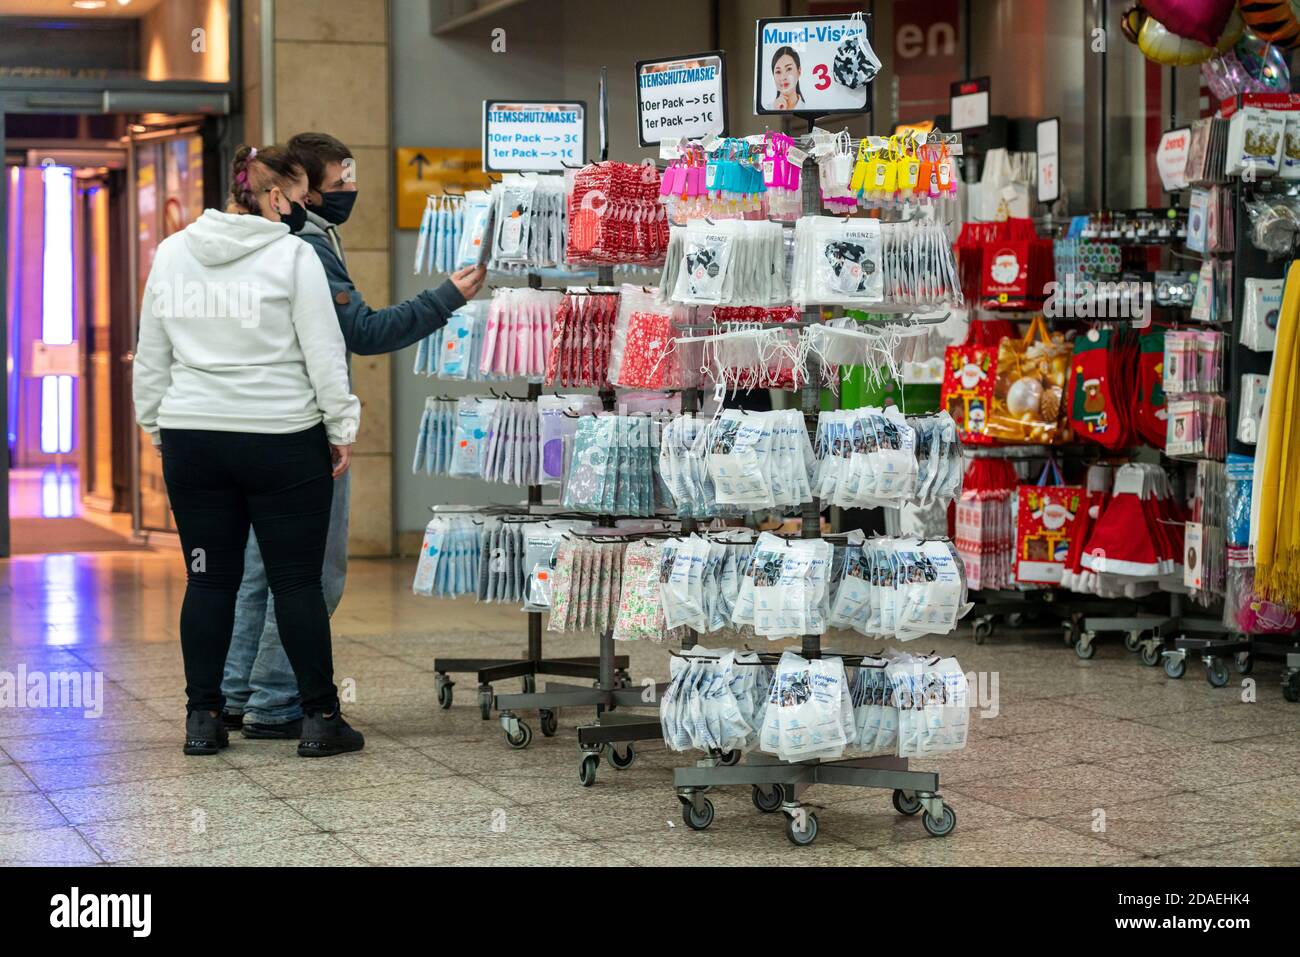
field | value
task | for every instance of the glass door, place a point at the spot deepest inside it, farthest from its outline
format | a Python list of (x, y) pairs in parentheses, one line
[(167, 194)]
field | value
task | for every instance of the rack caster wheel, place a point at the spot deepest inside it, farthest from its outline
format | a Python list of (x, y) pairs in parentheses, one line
[(1151, 654), (530, 684), (587, 769), (905, 804), (1175, 667), (1016, 619), (485, 702), (1085, 647), (697, 820), (769, 802), (983, 628), (1216, 673), (622, 679), (548, 722), (1245, 662), (1133, 641), (521, 738), (941, 827), (1291, 687), (729, 759), (444, 693), (801, 829), (622, 761)]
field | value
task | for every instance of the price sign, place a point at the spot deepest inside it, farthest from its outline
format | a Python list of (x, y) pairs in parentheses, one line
[(522, 136), (969, 104), (1171, 159), (1049, 160), (682, 98), (795, 69)]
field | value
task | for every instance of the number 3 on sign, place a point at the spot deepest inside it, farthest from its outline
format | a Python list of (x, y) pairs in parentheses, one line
[(823, 75)]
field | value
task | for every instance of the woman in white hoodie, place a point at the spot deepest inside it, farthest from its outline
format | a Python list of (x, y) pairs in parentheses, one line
[(240, 376)]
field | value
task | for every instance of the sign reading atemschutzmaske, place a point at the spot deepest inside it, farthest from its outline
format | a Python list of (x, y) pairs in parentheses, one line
[(681, 98), (532, 136)]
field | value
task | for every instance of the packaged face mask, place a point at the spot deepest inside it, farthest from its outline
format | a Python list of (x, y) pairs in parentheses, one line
[(1259, 317), (513, 217), (475, 247)]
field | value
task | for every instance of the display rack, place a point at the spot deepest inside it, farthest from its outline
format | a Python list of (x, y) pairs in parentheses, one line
[(1247, 262), (534, 663), (779, 785)]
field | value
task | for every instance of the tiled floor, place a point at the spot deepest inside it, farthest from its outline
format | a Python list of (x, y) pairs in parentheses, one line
[(1087, 762)]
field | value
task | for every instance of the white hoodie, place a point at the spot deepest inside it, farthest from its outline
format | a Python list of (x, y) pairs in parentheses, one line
[(238, 334)]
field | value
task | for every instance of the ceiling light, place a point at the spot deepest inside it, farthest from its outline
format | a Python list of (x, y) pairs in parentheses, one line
[(90, 4)]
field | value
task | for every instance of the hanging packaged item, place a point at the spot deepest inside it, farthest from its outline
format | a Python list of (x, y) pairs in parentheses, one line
[(586, 582), (615, 216), (612, 471), (581, 336), (435, 442), (784, 590), (1250, 411), (474, 416), (727, 262), (1102, 378), (967, 393), (760, 460), (1045, 526), (478, 220), (557, 424), (1260, 313), (449, 557), (1139, 531), (1027, 395), (1151, 411), (529, 223), (1255, 141), (642, 352), (519, 332), (809, 713), (933, 702), (1246, 611), (855, 64), (1197, 427), (983, 523), (715, 700), (437, 246), (837, 261), (976, 240), (901, 588)]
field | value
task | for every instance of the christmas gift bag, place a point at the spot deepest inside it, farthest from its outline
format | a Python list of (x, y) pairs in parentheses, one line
[(1045, 520), (1028, 388), (967, 393)]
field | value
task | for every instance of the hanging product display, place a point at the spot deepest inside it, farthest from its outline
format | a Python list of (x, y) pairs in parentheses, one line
[(456, 350), (519, 332), (435, 442), (1027, 397), (759, 460), (983, 523), (1102, 378), (1046, 517), (640, 614), (449, 557), (529, 223), (1260, 313), (901, 588), (642, 352), (699, 580), (581, 336), (715, 700), (511, 452), (586, 583), (615, 216), (437, 248), (869, 458), (1139, 531), (612, 469), (474, 416), (727, 262), (558, 417), (785, 588)]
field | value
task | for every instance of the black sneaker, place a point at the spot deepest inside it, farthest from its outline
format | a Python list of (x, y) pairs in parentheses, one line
[(204, 733), (323, 737), (285, 731), (231, 722)]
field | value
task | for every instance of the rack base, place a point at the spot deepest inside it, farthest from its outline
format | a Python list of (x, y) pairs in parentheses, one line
[(778, 785), (491, 670)]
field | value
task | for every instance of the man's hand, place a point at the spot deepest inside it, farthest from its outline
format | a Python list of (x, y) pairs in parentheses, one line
[(469, 280), (341, 456)]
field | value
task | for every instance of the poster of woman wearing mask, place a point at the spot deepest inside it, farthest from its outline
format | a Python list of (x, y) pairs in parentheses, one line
[(814, 66)]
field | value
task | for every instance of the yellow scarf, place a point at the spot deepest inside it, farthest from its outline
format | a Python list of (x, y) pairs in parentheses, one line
[(1277, 547)]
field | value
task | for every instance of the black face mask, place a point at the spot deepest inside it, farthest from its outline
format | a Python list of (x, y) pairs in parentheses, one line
[(295, 218), (336, 207)]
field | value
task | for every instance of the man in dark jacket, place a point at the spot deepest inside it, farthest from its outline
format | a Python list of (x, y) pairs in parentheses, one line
[(259, 686)]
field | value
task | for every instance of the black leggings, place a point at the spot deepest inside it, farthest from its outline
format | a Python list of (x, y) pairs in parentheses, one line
[(219, 483)]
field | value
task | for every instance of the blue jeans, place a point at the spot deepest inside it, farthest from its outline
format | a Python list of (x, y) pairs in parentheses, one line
[(259, 681)]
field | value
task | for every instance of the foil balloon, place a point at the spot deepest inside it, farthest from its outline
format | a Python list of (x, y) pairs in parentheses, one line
[(1160, 44), (1276, 21), (1254, 65)]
